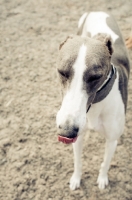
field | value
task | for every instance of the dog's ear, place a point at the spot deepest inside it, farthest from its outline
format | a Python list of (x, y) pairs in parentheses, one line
[(108, 43), (69, 37), (106, 39)]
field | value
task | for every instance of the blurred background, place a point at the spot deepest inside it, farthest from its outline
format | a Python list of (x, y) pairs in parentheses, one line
[(33, 165)]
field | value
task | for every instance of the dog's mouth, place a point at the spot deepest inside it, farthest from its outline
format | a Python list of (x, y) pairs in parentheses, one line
[(66, 140)]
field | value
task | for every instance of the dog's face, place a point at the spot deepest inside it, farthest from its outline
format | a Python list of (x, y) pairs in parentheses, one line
[(83, 65)]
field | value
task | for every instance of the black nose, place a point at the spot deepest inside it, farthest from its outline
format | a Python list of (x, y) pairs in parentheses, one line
[(69, 132)]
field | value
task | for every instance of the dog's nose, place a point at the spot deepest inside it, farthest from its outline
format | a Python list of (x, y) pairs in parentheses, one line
[(69, 132)]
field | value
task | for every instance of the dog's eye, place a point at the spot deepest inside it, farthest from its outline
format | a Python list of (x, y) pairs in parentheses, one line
[(95, 77), (63, 74)]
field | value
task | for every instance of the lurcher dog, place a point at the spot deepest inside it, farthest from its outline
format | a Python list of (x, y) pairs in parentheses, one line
[(93, 68)]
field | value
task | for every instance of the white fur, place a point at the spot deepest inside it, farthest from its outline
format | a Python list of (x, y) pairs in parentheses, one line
[(106, 117), (98, 18), (76, 177), (74, 102)]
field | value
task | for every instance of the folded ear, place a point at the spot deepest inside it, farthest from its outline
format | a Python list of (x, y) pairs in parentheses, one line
[(108, 43), (106, 39), (68, 37)]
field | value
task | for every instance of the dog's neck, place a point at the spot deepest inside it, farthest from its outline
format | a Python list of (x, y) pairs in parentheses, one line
[(106, 87), (108, 78)]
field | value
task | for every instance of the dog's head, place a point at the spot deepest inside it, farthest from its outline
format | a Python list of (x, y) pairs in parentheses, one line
[(83, 65)]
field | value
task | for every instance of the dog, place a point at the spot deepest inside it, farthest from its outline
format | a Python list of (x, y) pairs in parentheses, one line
[(93, 69)]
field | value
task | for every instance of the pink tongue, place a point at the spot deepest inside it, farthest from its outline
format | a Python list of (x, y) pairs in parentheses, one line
[(66, 140)]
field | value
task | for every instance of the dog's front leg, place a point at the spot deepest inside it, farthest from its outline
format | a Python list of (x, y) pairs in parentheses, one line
[(109, 151), (76, 177)]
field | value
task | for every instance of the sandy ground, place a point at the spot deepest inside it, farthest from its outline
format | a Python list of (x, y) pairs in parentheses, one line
[(33, 165)]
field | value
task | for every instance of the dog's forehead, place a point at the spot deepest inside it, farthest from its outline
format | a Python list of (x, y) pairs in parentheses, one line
[(96, 51), (69, 52)]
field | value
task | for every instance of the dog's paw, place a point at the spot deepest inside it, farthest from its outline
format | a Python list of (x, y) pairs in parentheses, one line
[(75, 182), (102, 181)]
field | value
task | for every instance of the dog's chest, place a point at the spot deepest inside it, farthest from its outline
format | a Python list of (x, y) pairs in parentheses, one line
[(107, 112), (94, 119)]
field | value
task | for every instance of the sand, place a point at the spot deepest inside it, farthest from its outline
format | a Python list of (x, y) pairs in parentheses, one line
[(33, 164)]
